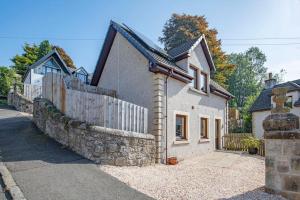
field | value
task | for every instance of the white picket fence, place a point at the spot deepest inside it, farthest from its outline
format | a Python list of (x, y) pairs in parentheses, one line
[(32, 91), (94, 108)]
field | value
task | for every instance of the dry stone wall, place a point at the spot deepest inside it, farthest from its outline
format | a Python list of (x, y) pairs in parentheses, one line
[(102, 145), (20, 102)]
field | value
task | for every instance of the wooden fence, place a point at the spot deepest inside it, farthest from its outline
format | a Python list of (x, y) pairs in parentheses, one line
[(94, 108), (233, 142), (32, 91)]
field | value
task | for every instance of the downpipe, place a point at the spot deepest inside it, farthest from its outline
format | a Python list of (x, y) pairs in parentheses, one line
[(166, 112)]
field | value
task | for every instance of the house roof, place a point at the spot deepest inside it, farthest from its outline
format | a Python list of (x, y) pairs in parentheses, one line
[(53, 54), (215, 87), (263, 101), (78, 69), (160, 60), (183, 48), (186, 48)]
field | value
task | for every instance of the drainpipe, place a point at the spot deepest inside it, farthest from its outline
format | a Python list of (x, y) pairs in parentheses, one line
[(166, 115)]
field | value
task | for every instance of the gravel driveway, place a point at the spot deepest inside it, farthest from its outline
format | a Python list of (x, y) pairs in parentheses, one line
[(217, 175)]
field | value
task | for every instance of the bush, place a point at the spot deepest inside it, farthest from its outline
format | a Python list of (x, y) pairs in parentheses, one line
[(251, 142)]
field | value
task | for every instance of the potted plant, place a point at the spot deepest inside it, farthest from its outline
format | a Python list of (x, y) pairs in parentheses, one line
[(252, 144)]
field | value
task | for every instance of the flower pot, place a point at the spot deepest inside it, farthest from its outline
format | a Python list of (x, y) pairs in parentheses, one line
[(172, 161), (252, 150)]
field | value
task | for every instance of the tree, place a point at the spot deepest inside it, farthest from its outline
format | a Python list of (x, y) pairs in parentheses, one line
[(67, 59), (182, 28), (7, 77), (248, 76), (34, 52)]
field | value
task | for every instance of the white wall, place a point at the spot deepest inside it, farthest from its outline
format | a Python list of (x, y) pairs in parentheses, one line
[(182, 99), (127, 71), (36, 79)]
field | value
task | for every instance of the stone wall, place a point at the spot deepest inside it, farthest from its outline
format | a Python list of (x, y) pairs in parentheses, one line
[(20, 102), (102, 145), (282, 155), (283, 167)]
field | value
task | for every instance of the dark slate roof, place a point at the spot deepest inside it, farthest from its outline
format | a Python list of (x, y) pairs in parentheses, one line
[(215, 86), (183, 48), (263, 101), (154, 53)]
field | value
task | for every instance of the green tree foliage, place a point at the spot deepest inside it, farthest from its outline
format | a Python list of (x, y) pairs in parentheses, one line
[(7, 77), (246, 115), (182, 28), (32, 53), (247, 78)]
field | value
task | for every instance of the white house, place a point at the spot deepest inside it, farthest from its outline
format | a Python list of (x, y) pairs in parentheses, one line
[(262, 106), (187, 109), (51, 62)]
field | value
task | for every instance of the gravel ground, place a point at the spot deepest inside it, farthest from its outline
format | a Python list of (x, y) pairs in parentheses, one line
[(217, 175)]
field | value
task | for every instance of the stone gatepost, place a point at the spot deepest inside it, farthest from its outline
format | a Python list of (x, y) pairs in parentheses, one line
[(282, 143)]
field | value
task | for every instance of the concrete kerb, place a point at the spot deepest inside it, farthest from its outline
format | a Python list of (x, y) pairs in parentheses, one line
[(10, 185)]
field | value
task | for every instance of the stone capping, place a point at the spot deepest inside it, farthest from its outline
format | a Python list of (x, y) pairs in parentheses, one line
[(285, 135), (281, 122), (120, 133)]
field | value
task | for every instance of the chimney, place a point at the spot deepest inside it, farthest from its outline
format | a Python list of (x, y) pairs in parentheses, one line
[(271, 82)]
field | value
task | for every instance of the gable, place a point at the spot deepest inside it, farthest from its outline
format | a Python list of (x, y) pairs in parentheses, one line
[(159, 61), (52, 54), (198, 59)]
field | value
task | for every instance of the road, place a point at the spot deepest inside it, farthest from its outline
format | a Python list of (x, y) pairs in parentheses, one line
[(44, 170)]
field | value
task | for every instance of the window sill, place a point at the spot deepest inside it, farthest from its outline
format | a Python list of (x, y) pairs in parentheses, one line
[(197, 91), (181, 142), (204, 140)]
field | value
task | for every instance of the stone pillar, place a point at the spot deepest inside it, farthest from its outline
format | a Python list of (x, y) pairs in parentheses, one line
[(282, 143), (158, 117)]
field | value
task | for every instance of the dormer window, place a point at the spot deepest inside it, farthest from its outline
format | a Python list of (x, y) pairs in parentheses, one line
[(194, 73), (203, 82)]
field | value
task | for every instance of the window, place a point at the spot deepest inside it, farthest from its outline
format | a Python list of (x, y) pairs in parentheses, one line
[(195, 76), (204, 127), (289, 102), (203, 82), (181, 127), (81, 77)]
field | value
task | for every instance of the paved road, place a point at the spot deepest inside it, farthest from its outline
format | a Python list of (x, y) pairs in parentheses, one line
[(44, 170)]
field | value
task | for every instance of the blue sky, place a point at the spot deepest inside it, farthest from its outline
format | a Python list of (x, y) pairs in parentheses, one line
[(64, 22)]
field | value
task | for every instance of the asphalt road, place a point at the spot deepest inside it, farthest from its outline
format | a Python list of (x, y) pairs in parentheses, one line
[(44, 170)]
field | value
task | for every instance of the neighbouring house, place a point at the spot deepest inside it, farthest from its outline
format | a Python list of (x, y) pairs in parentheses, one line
[(51, 62), (81, 74), (188, 111), (262, 106)]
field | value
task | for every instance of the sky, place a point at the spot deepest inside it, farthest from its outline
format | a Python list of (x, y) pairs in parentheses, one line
[(80, 26)]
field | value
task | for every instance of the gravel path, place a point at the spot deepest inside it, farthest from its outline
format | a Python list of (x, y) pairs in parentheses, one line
[(217, 175)]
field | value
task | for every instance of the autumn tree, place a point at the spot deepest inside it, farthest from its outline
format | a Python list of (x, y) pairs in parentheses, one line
[(32, 53), (67, 59), (182, 28)]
